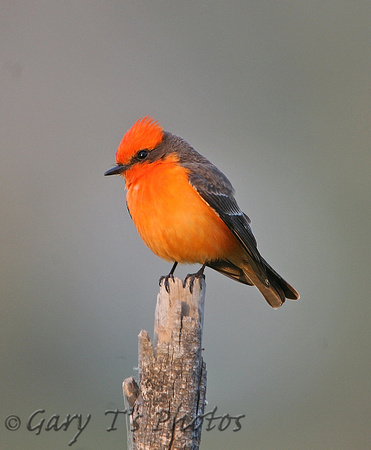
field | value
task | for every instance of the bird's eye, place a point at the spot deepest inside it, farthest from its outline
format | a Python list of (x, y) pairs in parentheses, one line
[(142, 154)]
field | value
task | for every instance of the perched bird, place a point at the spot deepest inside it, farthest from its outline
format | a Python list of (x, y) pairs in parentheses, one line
[(185, 211)]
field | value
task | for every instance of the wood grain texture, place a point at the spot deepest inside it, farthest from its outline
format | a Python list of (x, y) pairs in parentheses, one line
[(170, 400)]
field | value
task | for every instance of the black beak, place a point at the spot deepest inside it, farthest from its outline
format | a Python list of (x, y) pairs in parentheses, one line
[(116, 170)]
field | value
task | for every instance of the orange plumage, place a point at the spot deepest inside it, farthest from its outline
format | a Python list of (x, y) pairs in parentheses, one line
[(172, 219), (145, 133), (185, 211)]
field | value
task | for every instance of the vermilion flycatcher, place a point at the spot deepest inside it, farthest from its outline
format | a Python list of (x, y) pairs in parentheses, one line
[(185, 211)]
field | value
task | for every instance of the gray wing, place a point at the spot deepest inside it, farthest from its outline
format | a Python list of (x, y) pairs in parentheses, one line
[(215, 188), (217, 191)]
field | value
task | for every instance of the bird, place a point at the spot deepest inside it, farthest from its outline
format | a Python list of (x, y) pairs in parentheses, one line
[(185, 211)]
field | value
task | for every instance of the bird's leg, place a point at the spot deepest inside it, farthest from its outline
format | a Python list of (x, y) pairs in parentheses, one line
[(165, 278), (193, 276)]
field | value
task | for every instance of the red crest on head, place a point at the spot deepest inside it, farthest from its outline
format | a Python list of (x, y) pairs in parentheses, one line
[(146, 133)]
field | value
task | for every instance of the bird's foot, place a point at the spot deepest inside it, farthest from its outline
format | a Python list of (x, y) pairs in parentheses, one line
[(165, 278), (192, 277)]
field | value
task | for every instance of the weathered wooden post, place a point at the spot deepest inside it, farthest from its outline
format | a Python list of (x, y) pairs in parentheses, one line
[(168, 404)]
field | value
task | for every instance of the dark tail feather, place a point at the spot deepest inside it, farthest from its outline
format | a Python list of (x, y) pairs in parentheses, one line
[(276, 280), (275, 294)]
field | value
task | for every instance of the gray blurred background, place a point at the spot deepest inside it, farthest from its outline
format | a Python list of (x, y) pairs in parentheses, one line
[(277, 95)]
